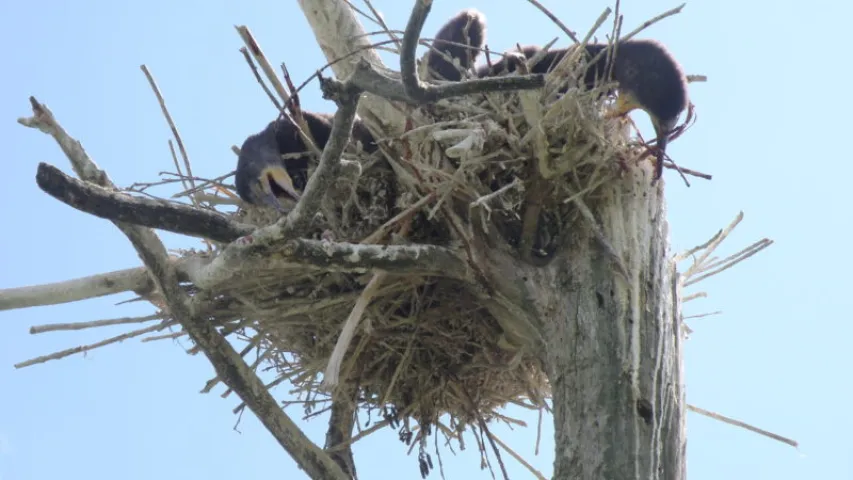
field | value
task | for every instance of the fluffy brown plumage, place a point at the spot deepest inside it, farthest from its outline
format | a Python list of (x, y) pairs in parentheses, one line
[(461, 38)]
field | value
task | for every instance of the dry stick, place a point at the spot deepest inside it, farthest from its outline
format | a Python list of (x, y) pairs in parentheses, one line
[(358, 11), (652, 21), (385, 229), (614, 39), (730, 261), (64, 327), (710, 248), (330, 376), (94, 286), (258, 55), (518, 458), (687, 171), (214, 181), (702, 315), (171, 124), (119, 206), (225, 360), (183, 178), (738, 423), (554, 19), (164, 336), (538, 432), (694, 296), (378, 19), (260, 80), (713, 263), (86, 348)]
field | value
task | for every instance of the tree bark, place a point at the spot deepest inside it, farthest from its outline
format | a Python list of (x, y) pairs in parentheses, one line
[(613, 347)]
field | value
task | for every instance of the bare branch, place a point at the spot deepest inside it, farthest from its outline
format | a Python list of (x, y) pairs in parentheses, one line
[(738, 423), (172, 126), (556, 20), (226, 361), (86, 348), (133, 279), (245, 256), (147, 212), (330, 161), (261, 59), (341, 422), (406, 259), (56, 327)]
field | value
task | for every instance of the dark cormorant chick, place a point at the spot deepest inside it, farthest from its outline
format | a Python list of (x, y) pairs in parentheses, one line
[(647, 75), (467, 27), (263, 177)]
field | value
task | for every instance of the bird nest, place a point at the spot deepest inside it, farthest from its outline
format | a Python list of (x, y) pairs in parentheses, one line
[(428, 346)]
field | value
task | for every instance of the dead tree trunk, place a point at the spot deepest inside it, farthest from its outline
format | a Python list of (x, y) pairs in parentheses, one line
[(612, 344)]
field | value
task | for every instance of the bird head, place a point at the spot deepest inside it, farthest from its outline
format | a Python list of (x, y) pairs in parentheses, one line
[(261, 177), (627, 102)]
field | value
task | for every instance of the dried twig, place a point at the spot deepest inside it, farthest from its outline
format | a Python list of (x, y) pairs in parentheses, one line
[(56, 327), (94, 286), (86, 348), (172, 126), (738, 423), (119, 206)]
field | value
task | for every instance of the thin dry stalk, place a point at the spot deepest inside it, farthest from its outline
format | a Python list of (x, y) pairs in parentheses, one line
[(171, 123)]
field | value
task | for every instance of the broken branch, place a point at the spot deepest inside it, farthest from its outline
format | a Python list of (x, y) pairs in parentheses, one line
[(148, 212)]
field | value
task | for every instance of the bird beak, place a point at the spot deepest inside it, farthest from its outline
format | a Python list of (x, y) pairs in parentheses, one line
[(662, 131), (275, 181), (625, 103)]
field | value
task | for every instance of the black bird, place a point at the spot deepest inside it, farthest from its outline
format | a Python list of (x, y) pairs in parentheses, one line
[(651, 80), (647, 76), (264, 178), (461, 38)]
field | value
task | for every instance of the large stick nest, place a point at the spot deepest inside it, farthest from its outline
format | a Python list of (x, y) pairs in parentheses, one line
[(428, 346), (514, 171)]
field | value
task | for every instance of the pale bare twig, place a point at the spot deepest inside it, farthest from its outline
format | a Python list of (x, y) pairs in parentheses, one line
[(64, 327), (738, 423), (171, 122), (86, 348)]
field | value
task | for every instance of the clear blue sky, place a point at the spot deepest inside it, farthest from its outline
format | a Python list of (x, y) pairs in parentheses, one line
[(767, 131)]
